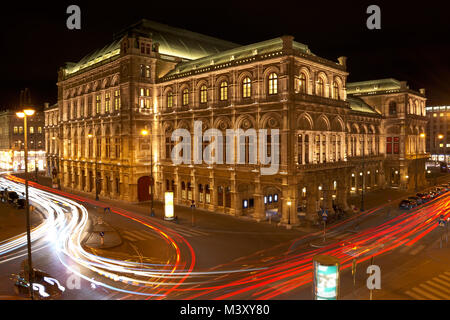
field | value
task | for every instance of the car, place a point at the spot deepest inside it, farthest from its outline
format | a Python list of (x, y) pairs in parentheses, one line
[(20, 203), (416, 199), (12, 196), (424, 196), (407, 204), (445, 187)]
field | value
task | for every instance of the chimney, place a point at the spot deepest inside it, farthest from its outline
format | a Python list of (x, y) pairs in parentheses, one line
[(287, 42), (156, 47), (343, 61), (422, 91)]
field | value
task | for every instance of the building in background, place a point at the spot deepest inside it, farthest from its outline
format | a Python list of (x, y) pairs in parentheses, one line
[(403, 129), (12, 141), (160, 79), (51, 128), (438, 133)]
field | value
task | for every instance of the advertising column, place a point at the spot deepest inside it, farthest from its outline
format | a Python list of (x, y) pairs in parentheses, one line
[(325, 277)]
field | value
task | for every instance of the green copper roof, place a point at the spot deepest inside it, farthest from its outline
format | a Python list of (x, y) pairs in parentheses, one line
[(359, 105), (373, 86), (172, 42), (238, 53)]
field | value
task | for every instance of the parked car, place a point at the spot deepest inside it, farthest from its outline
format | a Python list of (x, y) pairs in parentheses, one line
[(445, 186), (20, 203), (407, 204), (424, 196), (12, 196), (416, 199)]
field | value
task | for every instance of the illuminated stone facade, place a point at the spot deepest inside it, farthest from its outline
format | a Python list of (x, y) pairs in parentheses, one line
[(12, 141), (147, 79)]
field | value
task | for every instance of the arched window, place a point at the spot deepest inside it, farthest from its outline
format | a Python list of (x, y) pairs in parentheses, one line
[(392, 108), (170, 100), (320, 87), (185, 97), (273, 83), (335, 90), (203, 94), (246, 88), (300, 83), (223, 91)]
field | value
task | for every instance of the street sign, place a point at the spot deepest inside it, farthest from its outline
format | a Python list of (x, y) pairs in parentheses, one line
[(442, 223), (102, 234)]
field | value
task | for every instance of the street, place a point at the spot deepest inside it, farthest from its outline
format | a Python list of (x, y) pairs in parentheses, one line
[(145, 257)]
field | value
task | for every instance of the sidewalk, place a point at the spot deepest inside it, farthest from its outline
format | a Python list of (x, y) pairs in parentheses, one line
[(13, 221)]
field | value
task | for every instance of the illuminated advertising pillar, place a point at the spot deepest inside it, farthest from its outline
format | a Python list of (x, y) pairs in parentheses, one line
[(325, 277), (168, 206)]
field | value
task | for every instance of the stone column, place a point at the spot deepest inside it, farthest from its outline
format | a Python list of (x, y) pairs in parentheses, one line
[(311, 201), (259, 212)]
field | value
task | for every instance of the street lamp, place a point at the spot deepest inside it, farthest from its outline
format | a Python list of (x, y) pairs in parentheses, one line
[(422, 135), (144, 133), (90, 136), (24, 114), (363, 176), (289, 203)]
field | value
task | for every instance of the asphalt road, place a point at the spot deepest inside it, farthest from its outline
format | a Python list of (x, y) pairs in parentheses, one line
[(222, 258)]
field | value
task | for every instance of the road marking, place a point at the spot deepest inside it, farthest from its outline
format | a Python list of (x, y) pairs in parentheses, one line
[(134, 236), (404, 249), (424, 293), (417, 250), (415, 296), (444, 277), (445, 283), (433, 290), (190, 233), (439, 287)]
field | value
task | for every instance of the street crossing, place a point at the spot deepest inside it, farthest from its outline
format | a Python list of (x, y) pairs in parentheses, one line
[(143, 235), (412, 250), (437, 288)]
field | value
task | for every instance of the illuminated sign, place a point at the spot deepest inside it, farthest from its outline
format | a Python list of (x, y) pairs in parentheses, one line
[(168, 206), (326, 277)]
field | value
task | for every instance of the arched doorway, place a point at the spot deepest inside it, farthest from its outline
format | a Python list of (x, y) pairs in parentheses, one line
[(144, 188)]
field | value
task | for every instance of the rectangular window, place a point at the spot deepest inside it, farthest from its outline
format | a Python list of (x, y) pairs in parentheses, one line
[(20, 129), (97, 103), (147, 71), (31, 129), (107, 99), (116, 99), (389, 145), (396, 145), (39, 129), (117, 147), (15, 129)]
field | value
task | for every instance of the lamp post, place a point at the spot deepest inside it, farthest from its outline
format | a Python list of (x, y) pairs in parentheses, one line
[(145, 133), (24, 114), (90, 136), (422, 135), (363, 176), (289, 203)]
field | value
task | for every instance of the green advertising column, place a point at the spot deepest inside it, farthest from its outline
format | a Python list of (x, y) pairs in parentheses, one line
[(325, 277)]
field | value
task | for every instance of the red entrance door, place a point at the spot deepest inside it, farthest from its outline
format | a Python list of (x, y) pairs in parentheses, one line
[(144, 188)]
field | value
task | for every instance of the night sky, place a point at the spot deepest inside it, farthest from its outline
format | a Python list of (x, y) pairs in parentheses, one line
[(413, 43)]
